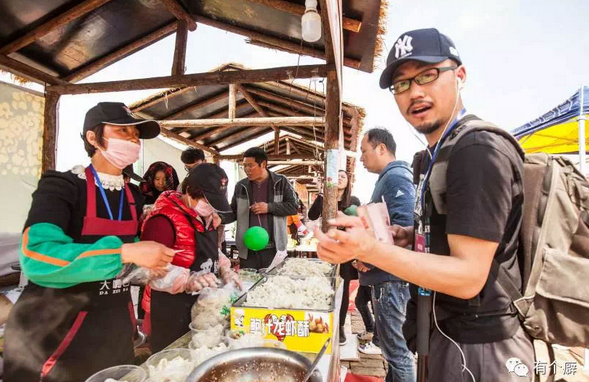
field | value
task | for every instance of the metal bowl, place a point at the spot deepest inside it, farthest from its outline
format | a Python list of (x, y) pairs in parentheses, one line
[(254, 365)]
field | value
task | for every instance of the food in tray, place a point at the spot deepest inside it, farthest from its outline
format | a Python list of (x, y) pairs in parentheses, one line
[(174, 370), (285, 292), (304, 267), (114, 380), (317, 325), (248, 275)]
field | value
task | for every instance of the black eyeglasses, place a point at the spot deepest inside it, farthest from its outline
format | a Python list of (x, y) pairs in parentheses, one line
[(425, 77)]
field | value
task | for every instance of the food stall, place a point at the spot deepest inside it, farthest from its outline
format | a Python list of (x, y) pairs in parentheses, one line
[(301, 325)]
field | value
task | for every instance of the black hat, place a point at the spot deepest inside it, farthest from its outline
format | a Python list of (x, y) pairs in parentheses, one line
[(128, 171), (117, 113), (425, 45), (212, 180)]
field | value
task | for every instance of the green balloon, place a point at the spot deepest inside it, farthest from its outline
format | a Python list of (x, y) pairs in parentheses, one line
[(256, 238)]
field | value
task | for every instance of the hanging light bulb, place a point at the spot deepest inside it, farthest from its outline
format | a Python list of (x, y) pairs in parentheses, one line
[(311, 22)]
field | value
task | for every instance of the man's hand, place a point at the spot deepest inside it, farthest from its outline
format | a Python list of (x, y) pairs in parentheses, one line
[(338, 246), (259, 208), (148, 254), (360, 266), (402, 236)]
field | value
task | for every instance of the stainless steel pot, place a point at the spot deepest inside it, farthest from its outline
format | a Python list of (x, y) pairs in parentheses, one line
[(254, 365)]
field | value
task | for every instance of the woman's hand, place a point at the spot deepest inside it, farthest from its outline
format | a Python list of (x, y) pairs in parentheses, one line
[(228, 276), (197, 282), (147, 254)]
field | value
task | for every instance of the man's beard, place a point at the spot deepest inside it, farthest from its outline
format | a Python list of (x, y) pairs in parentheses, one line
[(428, 128)]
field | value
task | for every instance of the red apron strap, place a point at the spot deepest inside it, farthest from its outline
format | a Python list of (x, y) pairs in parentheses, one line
[(131, 203), (90, 194), (50, 363)]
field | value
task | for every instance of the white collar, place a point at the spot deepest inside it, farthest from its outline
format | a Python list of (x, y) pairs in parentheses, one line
[(109, 182)]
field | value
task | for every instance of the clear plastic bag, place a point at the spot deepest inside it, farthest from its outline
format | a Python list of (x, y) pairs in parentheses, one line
[(176, 280), (213, 306)]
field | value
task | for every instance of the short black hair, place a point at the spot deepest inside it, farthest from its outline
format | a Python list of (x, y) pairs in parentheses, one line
[(379, 135), (99, 134), (257, 153), (354, 200), (192, 155)]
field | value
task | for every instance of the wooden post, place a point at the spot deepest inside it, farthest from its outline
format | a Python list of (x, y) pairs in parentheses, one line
[(179, 65), (58, 21), (208, 78), (180, 13), (287, 146), (50, 131), (276, 142), (232, 98), (332, 33)]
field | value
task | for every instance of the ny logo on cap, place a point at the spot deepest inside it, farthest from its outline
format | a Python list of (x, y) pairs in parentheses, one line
[(403, 46)]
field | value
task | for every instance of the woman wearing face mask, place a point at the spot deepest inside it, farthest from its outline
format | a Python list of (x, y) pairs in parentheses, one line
[(187, 223), (347, 272), (75, 317), (159, 177)]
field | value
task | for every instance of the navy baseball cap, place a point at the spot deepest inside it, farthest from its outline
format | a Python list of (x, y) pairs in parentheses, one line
[(212, 181), (117, 113), (425, 45)]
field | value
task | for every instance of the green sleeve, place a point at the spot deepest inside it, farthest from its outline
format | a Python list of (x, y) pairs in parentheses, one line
[(51, 259)]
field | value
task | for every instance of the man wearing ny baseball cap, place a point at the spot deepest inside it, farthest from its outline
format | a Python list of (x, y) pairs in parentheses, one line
[(468, 213)]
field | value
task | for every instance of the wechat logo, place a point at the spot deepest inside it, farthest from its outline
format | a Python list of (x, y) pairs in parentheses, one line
[(516, 366)]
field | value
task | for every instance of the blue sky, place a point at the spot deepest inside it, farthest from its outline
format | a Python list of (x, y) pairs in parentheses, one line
[(522, 59)]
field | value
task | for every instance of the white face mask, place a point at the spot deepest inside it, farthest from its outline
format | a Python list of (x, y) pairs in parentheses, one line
[(203, 208)]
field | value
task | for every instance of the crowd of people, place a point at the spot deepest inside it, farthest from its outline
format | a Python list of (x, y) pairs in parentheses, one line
[(82, 227)]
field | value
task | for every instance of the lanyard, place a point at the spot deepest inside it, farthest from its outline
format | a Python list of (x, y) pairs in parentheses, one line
[(435, 154), (104, 195)]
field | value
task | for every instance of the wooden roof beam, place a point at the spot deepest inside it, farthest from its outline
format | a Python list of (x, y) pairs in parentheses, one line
[(208, 78), (198, 105), (298, 10), (180, 13), (215, 130), (274, 42), (28, 72), (237, 122), (56, 22), (295, 104), (158, 99), (270, 157), (263, 130), (123, 52), (170, 134), (248, 97)]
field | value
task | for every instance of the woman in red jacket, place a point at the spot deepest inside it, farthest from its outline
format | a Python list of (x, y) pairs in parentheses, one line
[(187, 223)]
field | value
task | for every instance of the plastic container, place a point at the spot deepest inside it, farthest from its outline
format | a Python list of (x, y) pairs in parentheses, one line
[(118, 373), (173, 364), (206, 337)]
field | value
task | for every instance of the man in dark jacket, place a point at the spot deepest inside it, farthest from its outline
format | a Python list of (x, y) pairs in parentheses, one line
[(262, 199), (389, 293)]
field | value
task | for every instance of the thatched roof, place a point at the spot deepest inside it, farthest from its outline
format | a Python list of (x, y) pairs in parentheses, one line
[(274, 99), (68, 40)]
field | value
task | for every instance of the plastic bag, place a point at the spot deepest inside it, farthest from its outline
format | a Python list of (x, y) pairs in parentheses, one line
[(176, 280), (213, 306)]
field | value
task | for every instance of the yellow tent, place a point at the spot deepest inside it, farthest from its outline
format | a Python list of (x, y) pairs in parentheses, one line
[(560, 130)]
